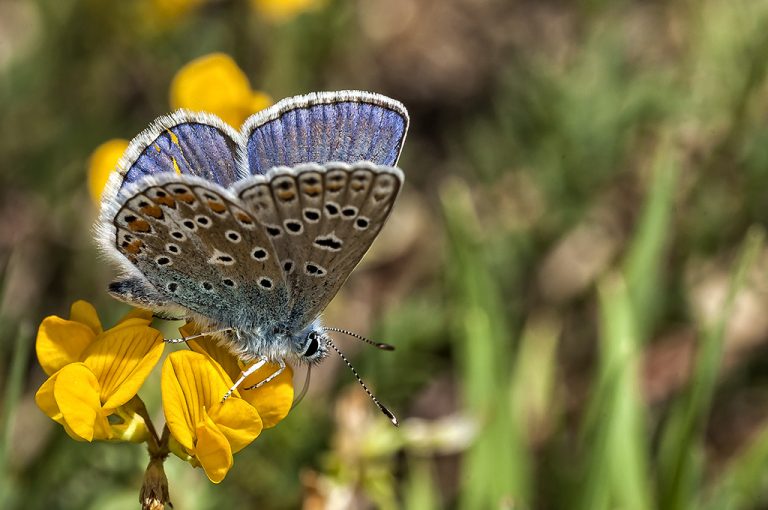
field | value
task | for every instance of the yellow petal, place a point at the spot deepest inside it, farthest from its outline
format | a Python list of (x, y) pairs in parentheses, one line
[(213, 83), (137, 313), (131, 427), (212, 450), (238, 421), (181, 452), (180, 405), (272, 400), (47, 402), (278, 11), (131, 321), (103, 160), (71, 433), (121, 359), (209, 346), (190, 382), (216, 356), (84, 313), (76, 391), (260, 101), (60, 342)]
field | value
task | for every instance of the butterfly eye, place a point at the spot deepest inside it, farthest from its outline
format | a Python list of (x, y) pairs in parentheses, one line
[(312, 345)]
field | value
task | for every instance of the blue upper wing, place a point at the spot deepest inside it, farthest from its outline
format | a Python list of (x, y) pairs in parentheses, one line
[(183, 143), (347, 126)]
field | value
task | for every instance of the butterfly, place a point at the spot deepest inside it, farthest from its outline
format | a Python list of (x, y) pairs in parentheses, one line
[(250, 234)]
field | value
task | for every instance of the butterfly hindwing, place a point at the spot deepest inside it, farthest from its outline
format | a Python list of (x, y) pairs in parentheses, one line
[(324, 218), (346, 126), (182, 143), (201, 250)]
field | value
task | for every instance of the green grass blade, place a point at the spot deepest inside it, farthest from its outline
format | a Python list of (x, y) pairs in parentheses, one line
[(482, 351), (644, 262), (617, 473), (744, 483), (531, 396), (420, 491), (680, 446)]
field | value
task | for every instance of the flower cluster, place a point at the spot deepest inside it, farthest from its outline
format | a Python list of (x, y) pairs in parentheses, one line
[(95, 375)]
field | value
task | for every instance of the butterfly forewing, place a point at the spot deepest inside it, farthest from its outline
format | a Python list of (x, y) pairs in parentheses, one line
[(202, 250), (322, 127), (324, 218), (180, 143)]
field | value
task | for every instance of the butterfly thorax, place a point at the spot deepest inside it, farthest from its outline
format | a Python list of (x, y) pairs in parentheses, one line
[(275, 342)]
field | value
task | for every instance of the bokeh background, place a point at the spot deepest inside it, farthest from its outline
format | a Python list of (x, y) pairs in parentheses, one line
[(574, 276)]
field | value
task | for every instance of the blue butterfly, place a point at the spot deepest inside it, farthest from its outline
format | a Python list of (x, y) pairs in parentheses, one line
[(251, 234)]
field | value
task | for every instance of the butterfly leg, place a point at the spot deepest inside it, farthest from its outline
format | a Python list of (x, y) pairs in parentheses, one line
[(192, 337), (265, 381), (248, 371)]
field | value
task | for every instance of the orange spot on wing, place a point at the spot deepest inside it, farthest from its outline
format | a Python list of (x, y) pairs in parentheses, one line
[(244, 218), (312, 191), (153, 211), (139, 225), (134, 247), (166, 201), (216, 207), (187, 198), (286, 195)]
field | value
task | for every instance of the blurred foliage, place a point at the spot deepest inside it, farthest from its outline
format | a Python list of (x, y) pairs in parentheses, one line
[(574, 277)]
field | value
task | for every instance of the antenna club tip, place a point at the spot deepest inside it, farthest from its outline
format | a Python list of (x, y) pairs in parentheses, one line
[(385, 347), (389, 415)]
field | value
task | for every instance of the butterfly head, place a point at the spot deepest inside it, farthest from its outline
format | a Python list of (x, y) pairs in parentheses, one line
[(314, 348), (308, 346)]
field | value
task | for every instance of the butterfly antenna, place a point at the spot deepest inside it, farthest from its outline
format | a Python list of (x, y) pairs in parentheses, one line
[(380, 345), (381, 406), (304, 388)]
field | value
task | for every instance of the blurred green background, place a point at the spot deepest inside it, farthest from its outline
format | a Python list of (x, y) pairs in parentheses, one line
[(575, 275)]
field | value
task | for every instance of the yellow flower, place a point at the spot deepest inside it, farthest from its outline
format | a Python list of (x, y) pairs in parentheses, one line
[(95, 374), (279, 11), (272, 400), (103, 160), (206, 431), (214, 83)]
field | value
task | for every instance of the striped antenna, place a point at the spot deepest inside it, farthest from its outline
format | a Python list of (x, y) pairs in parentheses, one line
[(380, 345), (381, 406)]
